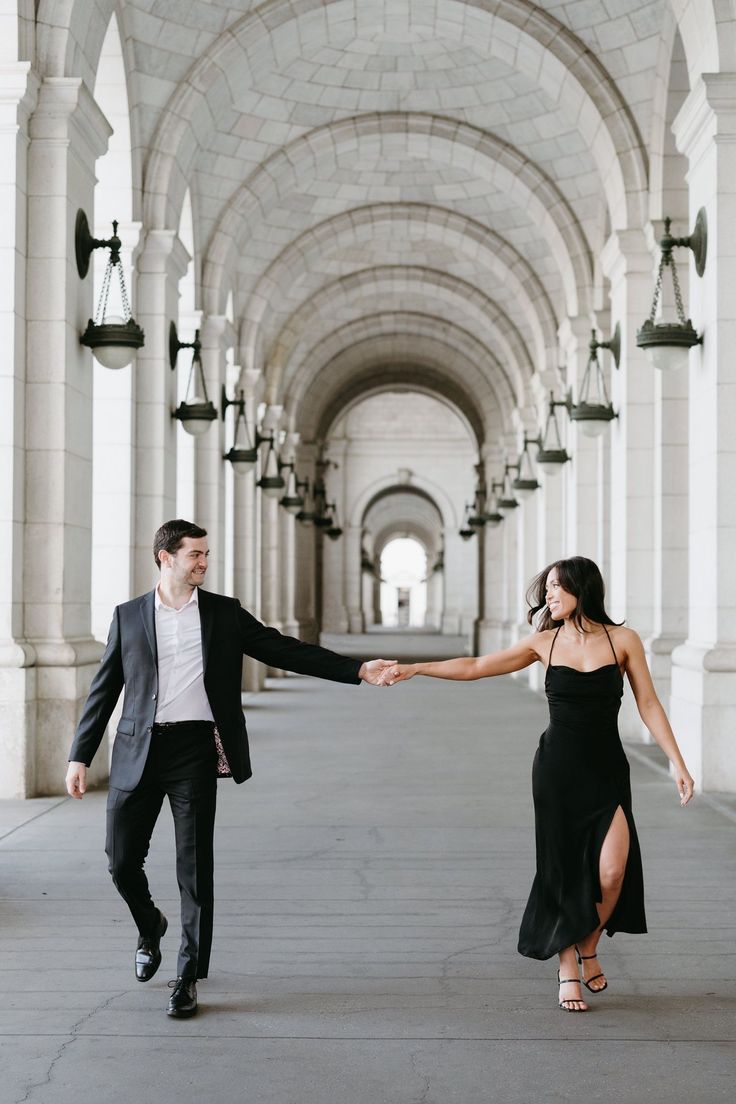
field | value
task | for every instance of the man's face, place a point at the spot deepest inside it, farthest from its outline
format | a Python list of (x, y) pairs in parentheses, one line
[(188, 565)]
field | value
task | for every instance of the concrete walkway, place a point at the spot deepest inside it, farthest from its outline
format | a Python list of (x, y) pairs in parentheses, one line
[(370, 882)]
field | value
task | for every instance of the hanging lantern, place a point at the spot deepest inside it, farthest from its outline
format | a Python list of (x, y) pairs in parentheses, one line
[(551, 454), (594, 410), (494, 517), (667, 344), (196, 412), (506, 501), (334, 532), (526, 483), (293, 500), (244, 451), (113, 338), (466, 530), (306, 515), (271, 482)]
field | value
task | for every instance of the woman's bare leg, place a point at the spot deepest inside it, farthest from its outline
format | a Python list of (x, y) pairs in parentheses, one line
[(613, 858)]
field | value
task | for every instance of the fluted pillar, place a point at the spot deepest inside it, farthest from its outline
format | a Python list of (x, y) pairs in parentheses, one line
[(352, 538), (306, 579), (209, 471), (627, 261), (161, 264), (17, 657), (270, 546), (703, 704), (584, 532), (246, 528), (68, 132)]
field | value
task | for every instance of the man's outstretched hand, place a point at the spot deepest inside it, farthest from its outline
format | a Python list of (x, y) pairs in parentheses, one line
[(372, 669)]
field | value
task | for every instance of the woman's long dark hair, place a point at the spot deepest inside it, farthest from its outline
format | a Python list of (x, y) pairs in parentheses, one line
[(579, 577)]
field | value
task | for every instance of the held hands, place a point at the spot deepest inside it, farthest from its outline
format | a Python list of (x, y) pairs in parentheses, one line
[(76, 780), (372, 671), (397, 672), (685, 784)]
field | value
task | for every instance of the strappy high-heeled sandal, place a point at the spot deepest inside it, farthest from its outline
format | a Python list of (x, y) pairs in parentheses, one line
[(570, 1000), (586, 958)]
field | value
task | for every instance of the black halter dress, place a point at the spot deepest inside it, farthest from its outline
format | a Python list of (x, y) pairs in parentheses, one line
[(579, 779)]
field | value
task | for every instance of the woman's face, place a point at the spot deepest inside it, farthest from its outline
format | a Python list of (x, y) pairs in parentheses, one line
[(560, 602)]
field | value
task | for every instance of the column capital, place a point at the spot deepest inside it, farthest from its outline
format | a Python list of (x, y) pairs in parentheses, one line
[(624, 253), (249, 379), (19, 88), (164, 252), (67, 108), (708, 112), (213, 331)]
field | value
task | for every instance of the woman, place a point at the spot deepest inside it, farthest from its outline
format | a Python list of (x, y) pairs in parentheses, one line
[(588, 862)]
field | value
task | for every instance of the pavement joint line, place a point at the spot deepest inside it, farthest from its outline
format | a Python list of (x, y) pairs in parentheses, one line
[(37, 816), (546, 1039), (714, 802)]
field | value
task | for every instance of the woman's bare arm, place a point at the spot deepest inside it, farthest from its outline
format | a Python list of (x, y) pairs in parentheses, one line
[(468, 668), (652, 713)]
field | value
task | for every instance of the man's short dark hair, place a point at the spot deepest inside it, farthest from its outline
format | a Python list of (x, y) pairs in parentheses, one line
[(170, 537)]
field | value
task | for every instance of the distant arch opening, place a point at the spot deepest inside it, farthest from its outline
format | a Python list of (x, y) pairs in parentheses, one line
[(404, 584)]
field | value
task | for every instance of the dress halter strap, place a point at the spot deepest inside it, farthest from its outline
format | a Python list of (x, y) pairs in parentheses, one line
[(554, 641), (612, 648)]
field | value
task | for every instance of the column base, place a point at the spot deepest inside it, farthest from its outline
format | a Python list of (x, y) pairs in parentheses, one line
[(489, 636), (703, 712), (64, 672), (254, 676), (17, 725)]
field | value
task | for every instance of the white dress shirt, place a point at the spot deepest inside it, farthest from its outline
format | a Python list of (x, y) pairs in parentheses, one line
[(181, 693)]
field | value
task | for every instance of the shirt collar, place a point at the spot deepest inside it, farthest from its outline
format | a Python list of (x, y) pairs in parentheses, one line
[(160, 604)]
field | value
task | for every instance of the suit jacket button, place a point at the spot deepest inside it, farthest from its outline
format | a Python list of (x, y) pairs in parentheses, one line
[(153, 696)]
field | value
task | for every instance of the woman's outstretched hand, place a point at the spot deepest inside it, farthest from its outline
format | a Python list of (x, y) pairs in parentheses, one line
[(683, 781), (398, 672)]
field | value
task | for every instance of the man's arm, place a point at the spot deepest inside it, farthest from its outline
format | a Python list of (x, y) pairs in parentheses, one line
[(271, 647), (101, 700)]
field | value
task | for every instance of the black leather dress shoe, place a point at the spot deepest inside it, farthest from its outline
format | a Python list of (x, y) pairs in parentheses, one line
[(148, 952), (183, 1001)]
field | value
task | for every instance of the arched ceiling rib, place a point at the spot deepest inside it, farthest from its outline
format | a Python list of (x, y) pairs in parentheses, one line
[(260, 62), (398, 289), (390, 234), (398, 350), (421, 158)]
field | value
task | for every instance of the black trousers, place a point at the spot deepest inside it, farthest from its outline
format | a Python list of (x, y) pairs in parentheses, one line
[(181, 765)]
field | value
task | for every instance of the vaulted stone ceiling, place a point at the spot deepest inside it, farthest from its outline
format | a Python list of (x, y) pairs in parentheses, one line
[(392, 160)]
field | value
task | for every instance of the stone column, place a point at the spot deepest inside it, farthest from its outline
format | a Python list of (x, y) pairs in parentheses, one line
[(68, 132), (670, 500), (209, 473), (162, 263), (458, 560), (305, 598), (288, 547), (17, 657), (246, 528), (490, 634), (584, 475), (703, 705), (113, 459), (270, 545), (352, 572), (627, 262)]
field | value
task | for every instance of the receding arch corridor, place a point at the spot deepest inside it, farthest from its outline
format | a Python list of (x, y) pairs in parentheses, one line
[(370, 880)]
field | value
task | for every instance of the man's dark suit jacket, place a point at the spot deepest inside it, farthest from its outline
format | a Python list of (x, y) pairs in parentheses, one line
[(228, 633)]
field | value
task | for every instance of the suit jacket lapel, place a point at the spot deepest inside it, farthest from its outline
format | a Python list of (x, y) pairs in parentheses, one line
[(207, 624), (148, 614)]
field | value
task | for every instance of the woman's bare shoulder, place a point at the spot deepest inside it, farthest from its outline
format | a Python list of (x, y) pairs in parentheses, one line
[(628, 640), (540, 642)]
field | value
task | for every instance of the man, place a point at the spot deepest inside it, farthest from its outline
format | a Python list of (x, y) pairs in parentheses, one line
[(178, 652)]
